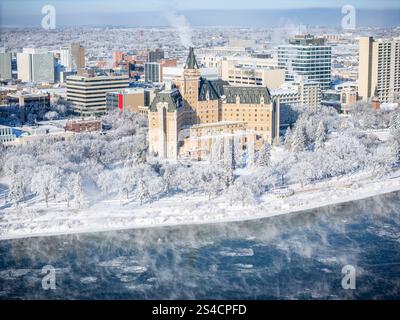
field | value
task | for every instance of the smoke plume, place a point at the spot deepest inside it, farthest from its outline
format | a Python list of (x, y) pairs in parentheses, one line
[(181, 25)]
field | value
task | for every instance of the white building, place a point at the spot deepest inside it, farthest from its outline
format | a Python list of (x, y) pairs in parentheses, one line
[(5, 65), (152, 72), (238, 74), (217, 61), (73, 57), (35, 65), (308, 92), (171, 73), (307, 56), (6, 135)]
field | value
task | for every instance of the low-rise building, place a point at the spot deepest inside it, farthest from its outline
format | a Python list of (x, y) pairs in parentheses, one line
[(79, 126), (130, 99), (29, 103), (7, 135)]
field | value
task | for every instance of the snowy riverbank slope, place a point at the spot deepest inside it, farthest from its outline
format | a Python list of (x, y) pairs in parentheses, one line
[(37, 220)]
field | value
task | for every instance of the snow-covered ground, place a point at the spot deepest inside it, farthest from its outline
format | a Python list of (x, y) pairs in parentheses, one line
[(37, 220)]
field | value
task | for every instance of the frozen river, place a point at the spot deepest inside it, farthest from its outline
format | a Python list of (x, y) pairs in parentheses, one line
[(295, 256)]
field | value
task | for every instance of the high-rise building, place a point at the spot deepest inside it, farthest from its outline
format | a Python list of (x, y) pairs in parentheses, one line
[(73, 56), (5, 65), (155, 55), (307, 56), (152, 72), (88, 93), (379, 69), (35, 65)]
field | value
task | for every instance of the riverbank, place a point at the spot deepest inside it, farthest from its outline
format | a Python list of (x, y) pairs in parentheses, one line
[(36, 220)]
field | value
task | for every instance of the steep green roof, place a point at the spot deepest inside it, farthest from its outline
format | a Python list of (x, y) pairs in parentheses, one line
[(191, 62), (247, 95), (213, 90), (172, 97)]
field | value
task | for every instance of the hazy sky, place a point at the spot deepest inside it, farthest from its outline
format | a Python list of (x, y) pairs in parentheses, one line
[(16, 7), (78, 12)]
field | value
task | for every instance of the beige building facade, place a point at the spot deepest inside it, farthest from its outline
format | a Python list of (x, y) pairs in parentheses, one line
[(194, 102), (379, 69), (237, 74)]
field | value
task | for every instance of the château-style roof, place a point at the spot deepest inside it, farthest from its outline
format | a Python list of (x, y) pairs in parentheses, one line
[(211, 90), (247, 95), (172, 97), (191, 62)]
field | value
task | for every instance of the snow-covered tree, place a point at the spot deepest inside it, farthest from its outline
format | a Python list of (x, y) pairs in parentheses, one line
[(51, 115), (107, 181), (46, 182), (320, 136), (169, 171), (298, 139), (264, 156), (77, 190), (288, 139), (2, 156), (15, 193), (301, 171), (142, 191), (69, 189), (241, 192)]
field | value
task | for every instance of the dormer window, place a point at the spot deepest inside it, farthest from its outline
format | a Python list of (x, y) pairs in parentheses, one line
[(208, 95), (262, 100), (237, 99)]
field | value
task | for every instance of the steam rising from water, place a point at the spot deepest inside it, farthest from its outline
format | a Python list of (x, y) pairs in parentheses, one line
[(182, 27), (293, 257)]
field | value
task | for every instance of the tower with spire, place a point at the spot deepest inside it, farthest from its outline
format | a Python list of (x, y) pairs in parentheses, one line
[(189, 85)]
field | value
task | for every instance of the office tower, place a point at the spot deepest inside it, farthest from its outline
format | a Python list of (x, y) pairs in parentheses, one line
[(5, 65), (379, 69), (307, 56), (88, 93), (155, 55), (73, 56), (237, 74), (152, 72), (35, 65)]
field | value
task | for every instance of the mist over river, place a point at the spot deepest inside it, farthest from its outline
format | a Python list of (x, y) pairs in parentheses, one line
[(294, 256)]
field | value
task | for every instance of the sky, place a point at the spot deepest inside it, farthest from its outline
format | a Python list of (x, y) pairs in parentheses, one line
[(155, 5), (20, 12)]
